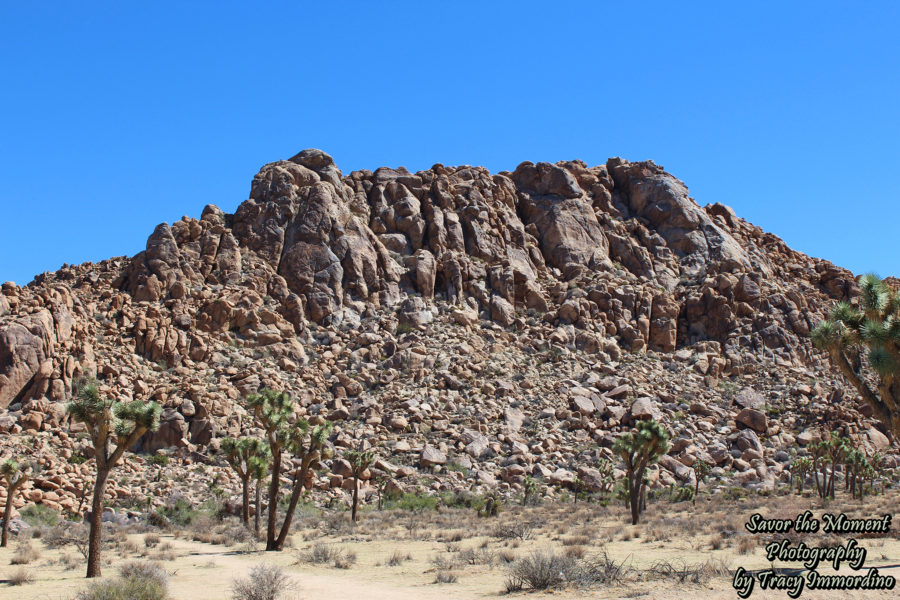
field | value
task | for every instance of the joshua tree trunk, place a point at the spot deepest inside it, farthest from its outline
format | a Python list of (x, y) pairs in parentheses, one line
[(355, 495), (289, 516), (634, 495), (245, 501), (258, 509), (93, 566), (273, 499), (831, 481), (6, 513)]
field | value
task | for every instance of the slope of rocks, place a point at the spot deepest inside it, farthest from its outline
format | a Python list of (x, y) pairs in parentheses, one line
[(508, 324)]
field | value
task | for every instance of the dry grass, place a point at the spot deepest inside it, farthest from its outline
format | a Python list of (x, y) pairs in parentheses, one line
[(21, 576), (25, 554)]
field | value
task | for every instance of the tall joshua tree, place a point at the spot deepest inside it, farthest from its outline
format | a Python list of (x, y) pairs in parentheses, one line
[(359, 460), (243, 454), (639, 449), (286, 435), (872, 331), (259, 466), (14, 475), (701, 471), (114, 427)]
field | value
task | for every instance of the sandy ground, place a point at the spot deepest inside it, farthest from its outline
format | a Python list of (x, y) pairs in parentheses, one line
[(202, 571)]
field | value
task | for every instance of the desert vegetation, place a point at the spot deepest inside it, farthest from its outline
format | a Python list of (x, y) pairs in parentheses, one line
[(109, 423), (868, 335), (586, 548)]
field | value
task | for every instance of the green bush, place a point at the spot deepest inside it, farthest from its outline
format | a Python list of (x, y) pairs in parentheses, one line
[(38, 515), (672, 494), (180, 513), (412, 502), (158, 460), (463, 499)]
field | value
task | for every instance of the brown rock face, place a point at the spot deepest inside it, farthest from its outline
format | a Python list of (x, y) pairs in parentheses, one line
[(585, 260)]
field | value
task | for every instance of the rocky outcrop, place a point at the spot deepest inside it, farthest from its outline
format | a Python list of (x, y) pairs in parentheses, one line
[(457, 319)]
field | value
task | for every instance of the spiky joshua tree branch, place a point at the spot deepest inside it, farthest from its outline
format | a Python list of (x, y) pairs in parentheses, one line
[(871, 331)]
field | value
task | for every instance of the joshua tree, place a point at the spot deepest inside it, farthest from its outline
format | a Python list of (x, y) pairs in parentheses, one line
[(857, 468), (799, 468), (607, 480), (701, 470), (491, 506), (876, 462), (242, 454), (114, 427), (639, 449), (274, 412), (837, 453), (579, 488), (873, 331), (359, 461), (15, 475), (820, 460), (827, 452), (530, 490)]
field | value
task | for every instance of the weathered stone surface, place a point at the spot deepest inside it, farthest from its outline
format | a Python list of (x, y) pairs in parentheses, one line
[(432, 456), (644, 408), (749, 398), (754, 419)]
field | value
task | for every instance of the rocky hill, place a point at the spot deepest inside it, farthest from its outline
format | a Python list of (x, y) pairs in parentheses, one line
[(499, 325)]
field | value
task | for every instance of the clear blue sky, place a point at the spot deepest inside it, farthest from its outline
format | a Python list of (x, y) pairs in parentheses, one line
[(115, 117)]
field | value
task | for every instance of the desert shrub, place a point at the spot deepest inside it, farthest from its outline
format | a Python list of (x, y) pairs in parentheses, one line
[(69, 534), (412, 502), (686, 573), (158, 460), (345, 560), (471, 556), (151, 540), (446, 577), (266, 582), (136, 581), (746, 544), (397, 558), (21, 576), (576, 540), (320, 554), (463, 499), (519, 531), (543, 570), (25, 553), (137, 569), (178, 511), (540, 571), (69, 562), (38, 515)]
